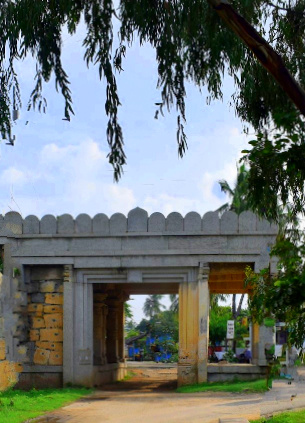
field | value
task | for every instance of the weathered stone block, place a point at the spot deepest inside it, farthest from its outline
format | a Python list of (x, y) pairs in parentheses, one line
[(55, 335), (38, 322), (56, 358), (137, 220), (2, 349), (21, 332), (54, 299), (100, 224), (48, 224), (174, 222), (192, 222), (229, 223), (247, 222), (22, 351), (47, 273), (156, 222), (65, 224), (59, 287), (21, 297), (83, 224), (31, 348), (34, 335), (32, 287), (41, 356), (13, 222), (38, 298), (35, 308), (52, 346), (48, 286), (117, 223), (53, 320), (210, 223), (53, 309), (31, 225)]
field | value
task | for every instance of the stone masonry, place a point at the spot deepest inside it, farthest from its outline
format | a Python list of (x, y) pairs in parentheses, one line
[(65, 281)]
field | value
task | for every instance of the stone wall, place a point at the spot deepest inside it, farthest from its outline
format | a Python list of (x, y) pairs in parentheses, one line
[(9, 371), (45, 317), (137, 220)]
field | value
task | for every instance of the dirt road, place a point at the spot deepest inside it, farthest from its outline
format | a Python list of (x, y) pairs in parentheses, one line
[(150, 397)]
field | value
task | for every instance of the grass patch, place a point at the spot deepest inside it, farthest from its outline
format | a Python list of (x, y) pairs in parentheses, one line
[(128, 376), (287, 417), (229, 386), (18, 406)]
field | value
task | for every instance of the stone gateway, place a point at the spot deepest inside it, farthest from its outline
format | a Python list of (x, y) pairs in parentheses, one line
[(65, 281)]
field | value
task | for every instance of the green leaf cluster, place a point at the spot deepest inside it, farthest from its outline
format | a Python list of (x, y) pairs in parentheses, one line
[(191, 43)]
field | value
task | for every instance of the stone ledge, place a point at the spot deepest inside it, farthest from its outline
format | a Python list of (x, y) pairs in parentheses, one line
[(236, 368), (42, 369)]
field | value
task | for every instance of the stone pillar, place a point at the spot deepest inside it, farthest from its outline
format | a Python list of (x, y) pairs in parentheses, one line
[(121, 338), (104, 334), (78, 331), (68, 326), (204, 311), (112, 345), (99, 329), (193, 329), (261, 336)]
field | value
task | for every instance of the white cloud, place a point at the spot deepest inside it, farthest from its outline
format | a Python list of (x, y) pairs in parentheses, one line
[(14, 176)]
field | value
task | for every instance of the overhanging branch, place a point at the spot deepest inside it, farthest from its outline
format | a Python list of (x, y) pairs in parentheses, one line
[(271, 61)]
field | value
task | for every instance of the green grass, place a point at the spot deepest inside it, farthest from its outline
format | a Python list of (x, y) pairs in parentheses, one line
[(128, 376), (18, 406), (230, 386), (287, 417)]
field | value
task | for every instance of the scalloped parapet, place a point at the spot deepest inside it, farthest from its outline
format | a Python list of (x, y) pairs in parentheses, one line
[(156, 222), (31, 225), (100, 224), (174, 222), (83, 224), (137, 221)]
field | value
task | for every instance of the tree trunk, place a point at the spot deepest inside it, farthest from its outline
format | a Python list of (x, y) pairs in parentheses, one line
[(240, 305), (271, 61), (234, 306)]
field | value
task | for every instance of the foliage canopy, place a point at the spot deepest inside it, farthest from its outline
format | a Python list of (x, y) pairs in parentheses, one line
[(193, 41), (282, 295)]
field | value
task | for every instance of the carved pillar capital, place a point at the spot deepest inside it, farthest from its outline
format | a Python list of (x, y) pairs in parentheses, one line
[(68, 273), (204, 271)]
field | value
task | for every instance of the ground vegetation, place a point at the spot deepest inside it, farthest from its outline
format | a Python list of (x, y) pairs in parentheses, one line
[(19, 406)]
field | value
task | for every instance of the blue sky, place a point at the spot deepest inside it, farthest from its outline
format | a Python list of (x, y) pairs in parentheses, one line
[(61, 167)]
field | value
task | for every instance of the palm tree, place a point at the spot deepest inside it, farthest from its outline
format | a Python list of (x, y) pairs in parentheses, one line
[(238, 194), (238, 203), (152, 305), (215, 298), (174, 303)]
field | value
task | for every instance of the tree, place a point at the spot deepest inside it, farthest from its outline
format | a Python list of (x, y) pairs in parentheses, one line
[(239, 203), (193, 40), (282, 295), (277, 173), (174, 303), (218, 324), (163, 323), (239, 194), (128, 311), (152, 305)]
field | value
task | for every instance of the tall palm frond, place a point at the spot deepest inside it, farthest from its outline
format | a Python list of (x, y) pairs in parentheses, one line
[(152, 305), (174, 303)]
